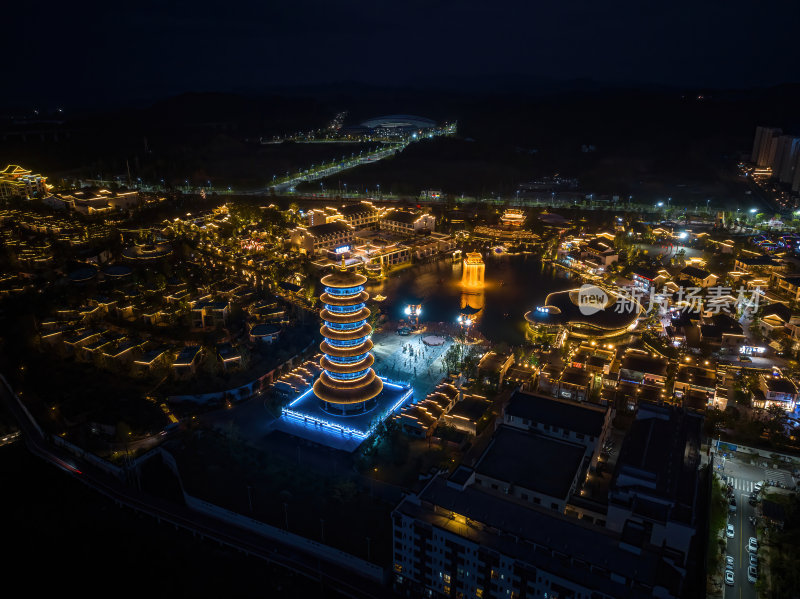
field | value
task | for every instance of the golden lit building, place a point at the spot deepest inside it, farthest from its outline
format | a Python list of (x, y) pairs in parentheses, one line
[(16, 181), (472, 274), (513, 217)]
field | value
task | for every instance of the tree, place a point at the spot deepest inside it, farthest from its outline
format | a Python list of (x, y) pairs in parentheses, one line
[(755, 329), (344, 492), (776, 418), (245, 357), (211, 363), (452, 358)]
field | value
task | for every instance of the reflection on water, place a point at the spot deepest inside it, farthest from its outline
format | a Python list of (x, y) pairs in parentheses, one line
[(473, 299), (513, 285)]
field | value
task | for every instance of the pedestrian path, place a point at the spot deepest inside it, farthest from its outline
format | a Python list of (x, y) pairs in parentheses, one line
[(740, 484)]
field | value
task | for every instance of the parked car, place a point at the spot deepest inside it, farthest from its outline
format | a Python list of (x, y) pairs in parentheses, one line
[(752, 545), (729, 562), (758, 486), (752, 574), (729, 577), (753, 559), (730, 531)]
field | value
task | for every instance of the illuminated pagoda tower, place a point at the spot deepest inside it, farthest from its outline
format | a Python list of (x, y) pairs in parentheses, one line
[(348, 385), (348, 401)]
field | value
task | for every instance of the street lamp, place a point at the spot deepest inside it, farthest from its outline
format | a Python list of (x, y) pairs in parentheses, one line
[(413, 311), (466, 323)]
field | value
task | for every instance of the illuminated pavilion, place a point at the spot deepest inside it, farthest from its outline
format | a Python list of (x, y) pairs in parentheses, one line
[(348, 400), (473, 270), (348, 383)]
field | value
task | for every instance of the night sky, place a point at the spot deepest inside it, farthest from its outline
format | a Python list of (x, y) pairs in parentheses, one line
[(111, 51)]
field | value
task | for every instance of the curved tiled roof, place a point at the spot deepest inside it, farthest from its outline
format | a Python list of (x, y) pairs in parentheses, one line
[(342, 279), (324, 389), (614, 315)]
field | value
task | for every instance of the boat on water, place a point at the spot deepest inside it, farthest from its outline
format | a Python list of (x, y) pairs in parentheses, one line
[(379, 298)]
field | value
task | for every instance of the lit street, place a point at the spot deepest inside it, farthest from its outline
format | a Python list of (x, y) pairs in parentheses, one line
[(743, 476)]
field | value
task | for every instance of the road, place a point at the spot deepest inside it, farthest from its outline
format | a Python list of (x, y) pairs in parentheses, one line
[(743, 476), (289, 184), (737, 547)]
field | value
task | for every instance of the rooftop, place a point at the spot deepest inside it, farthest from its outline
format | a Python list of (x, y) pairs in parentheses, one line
[(543, 539), (697, 273), (526, 459), (262, 329), (575, 376), (782, 311), (187, 355), (779, 384), (401, 216), (601, 245), (696, 375), (493, 362), (580, 418), (470, 408), (330, 228), (646, 273), (656, 474), (357, 208), (641, 362)]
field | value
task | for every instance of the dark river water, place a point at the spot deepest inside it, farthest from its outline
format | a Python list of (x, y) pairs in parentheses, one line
[(513, 285)]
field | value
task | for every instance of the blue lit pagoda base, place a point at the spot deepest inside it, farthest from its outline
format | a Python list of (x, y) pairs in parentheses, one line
[(305, 417)]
